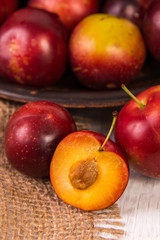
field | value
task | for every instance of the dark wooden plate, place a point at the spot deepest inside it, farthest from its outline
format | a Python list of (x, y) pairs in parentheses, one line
[(71, 94)]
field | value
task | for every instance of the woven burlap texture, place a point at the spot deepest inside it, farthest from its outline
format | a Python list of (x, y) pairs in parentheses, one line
[(30, 209)]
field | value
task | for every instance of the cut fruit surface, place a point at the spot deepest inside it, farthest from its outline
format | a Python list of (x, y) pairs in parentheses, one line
[(104, 174)]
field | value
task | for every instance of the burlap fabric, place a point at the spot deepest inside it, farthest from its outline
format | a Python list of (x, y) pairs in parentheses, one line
[(30, 209)]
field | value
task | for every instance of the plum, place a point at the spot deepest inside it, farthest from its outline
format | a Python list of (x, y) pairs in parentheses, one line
[(151, 29), (106, 51), (131, 10), (32, 47), (32, 134), (91, 173), (70, 11), (137, 131)]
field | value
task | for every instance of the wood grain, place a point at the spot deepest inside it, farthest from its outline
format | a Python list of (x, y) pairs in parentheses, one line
[(140, 208)]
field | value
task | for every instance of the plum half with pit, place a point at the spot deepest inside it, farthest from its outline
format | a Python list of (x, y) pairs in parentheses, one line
[(88, 170), (32, 134)]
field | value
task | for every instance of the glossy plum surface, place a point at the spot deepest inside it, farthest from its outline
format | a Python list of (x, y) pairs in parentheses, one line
[(151, 29), (32, 134), (132, 10), (137, 132), (32, 47), (99, 52), (69, 11)]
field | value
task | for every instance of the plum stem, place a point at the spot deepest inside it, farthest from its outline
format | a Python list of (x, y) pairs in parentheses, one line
[(141, 105), (114, 114)]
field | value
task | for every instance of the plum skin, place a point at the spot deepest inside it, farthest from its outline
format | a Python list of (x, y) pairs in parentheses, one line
[(6, 8), (32, 134), (151, 29), (70, 11), (100, 55), (131, 10), (33, 48), (137, 133)]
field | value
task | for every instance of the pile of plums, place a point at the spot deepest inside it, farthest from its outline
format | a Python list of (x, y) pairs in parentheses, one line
[(42, 140), (104, 43), (87, 169)]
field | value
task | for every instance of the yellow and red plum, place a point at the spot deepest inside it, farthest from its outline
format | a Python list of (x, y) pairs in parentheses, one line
[(106, 51)]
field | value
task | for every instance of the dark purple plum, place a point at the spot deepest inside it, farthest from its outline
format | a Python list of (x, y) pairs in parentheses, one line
[(132, 10), (32, 134), (151, 29)]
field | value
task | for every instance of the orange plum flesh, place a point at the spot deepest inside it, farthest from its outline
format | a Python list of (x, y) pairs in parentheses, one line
[(85, 177)]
